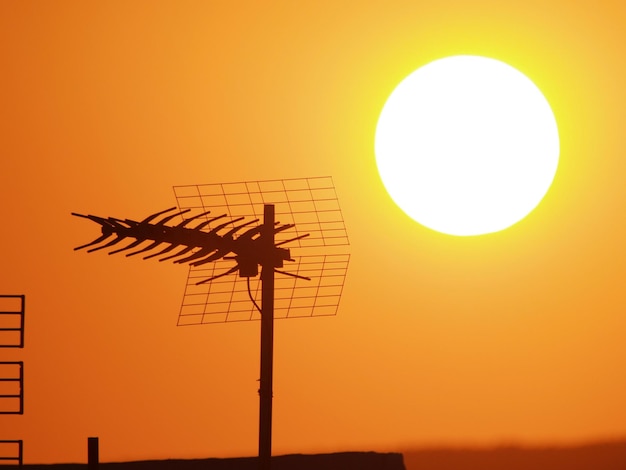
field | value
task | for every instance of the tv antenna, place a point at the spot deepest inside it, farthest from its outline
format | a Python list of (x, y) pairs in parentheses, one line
[(300, 216)]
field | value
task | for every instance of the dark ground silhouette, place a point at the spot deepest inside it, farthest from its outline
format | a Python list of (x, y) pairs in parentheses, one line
[(600, 456), (337, 461)]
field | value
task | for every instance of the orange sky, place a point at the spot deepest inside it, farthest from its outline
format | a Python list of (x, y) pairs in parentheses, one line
[(516, 336)]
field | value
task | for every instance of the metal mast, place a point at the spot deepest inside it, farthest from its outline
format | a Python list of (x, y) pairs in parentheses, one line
[(267, 340)]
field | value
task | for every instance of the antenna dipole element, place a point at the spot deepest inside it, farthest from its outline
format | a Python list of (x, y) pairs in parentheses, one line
[(267, 339)]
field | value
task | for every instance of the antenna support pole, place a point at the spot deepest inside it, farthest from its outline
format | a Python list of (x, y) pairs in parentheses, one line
[(267, 338)]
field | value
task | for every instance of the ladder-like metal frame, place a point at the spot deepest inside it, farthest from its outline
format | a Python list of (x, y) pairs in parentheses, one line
[(14, 458), (17, 378)]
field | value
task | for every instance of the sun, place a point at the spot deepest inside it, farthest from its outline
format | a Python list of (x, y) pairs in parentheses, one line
[(467, 145)]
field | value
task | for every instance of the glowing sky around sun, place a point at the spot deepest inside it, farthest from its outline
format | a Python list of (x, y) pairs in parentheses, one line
[(516, 336)]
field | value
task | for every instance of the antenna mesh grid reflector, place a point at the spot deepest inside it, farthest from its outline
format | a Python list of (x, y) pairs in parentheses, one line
[(226, 299), (311, 205)]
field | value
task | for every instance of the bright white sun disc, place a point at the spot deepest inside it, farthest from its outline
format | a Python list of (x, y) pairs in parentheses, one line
[(467, 145)]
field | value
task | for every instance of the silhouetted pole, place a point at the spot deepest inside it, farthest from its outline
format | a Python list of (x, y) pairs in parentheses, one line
[(93, 459), (267, 339)]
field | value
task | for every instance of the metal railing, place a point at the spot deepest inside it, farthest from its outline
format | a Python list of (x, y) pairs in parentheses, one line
[(14, 449), (12, 321), (12, 308), (12, 388)]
